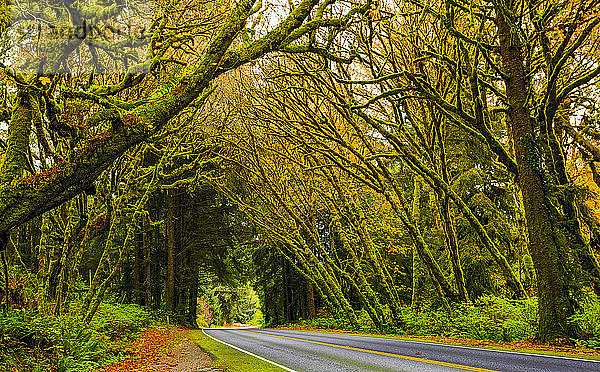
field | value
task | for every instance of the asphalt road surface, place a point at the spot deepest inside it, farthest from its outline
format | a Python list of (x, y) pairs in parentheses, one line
[(310, 351)]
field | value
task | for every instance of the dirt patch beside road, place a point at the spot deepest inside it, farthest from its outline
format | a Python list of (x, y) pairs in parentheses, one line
[(186, 357)]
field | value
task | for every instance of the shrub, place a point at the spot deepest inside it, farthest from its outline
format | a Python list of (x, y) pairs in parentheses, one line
[(488, 318), (588, 320), (30, 342), (13, 323), (118, 320), (63, 342), (79, 347)]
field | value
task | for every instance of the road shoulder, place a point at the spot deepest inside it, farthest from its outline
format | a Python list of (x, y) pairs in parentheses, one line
[(186, 356)]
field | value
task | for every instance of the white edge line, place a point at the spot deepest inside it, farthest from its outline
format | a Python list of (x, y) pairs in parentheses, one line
[(480, 348), (249, 353)]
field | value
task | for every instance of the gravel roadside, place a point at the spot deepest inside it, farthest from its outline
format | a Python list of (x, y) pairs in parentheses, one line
[(186, 357)]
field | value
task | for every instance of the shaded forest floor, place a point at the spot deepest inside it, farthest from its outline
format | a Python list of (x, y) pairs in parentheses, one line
[(558, 348)]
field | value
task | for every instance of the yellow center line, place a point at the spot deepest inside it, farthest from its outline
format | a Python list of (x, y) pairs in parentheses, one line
[(414, 359)]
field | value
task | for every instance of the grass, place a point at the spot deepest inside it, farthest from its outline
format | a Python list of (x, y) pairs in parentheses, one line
[(231, 359)]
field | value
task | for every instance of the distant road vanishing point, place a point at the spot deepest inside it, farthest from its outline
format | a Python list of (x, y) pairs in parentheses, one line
[(322, 352)]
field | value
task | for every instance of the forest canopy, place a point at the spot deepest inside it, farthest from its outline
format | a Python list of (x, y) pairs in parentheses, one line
[(361, 161)]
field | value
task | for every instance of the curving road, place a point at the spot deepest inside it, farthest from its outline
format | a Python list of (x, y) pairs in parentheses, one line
[(310, 351)]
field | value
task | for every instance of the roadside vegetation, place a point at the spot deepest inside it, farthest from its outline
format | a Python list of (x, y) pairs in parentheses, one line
[(31, 342), (486, 319)]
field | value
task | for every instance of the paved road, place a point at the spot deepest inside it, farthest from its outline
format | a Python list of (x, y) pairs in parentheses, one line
[(320, 352)]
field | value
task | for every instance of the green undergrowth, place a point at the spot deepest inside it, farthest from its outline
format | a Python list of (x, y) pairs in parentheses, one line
[(30, 341), (227, 358), (588, 320), (488, 318)]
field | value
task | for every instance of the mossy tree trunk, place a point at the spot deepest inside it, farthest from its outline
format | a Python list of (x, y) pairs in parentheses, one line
[(148, 232), (555, 304), (171, 247), (311, 311), (24, 198)]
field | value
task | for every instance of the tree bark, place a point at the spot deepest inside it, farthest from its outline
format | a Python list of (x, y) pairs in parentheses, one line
[(193, 300), (137, 289), (448, 224), (555, 306), (287, 303), (3, 249), (21, 199), (310, 301), (170, 283), (452, 244), (148, 261)]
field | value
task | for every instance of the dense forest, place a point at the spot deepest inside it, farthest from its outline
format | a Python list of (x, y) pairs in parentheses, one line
[(405, 166)]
